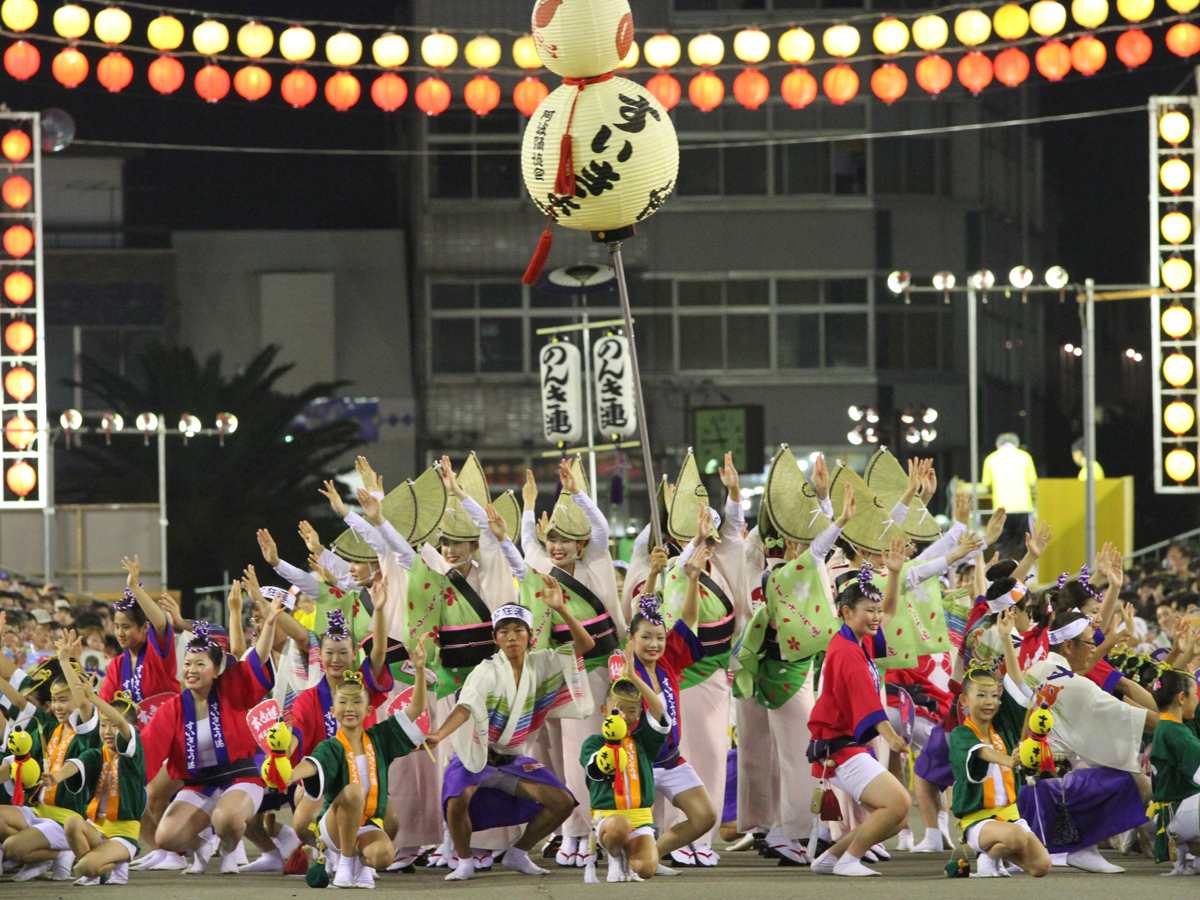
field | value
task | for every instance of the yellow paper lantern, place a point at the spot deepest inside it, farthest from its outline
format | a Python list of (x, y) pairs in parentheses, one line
[(751, 45), (390, 50), (706, 50), (210, 37), (1183, 6), (1175, 175), (841, 40), (1135, 10), (482, 52), (1174, 127), (1047, 17), (1089, 13), (1176, 227), (930, 32), (297, 44), (1179, 417), (796, 46), (662, 51), (71, 21), (525, 53), (1011, 22), (1177, 273), (582, 39), (647, 160), (255, 40), (1176, 321), (343, 49), (165, 33), (972, 27), (631, 58), (113, 25), (19, 15), (1180, 464), (439, 49), (1178, 369), (890, 36)]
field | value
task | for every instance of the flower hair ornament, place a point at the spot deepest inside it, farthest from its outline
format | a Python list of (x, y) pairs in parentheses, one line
[(649, 607), (335, 625), (127, 602)]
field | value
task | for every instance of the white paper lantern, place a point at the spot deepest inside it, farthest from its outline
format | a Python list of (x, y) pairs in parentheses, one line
[(625, 152), (582, 38), (612, 367), (562, 392)]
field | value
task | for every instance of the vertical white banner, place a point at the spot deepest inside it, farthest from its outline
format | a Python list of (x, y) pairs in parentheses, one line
[(562, 392), (616, 407)]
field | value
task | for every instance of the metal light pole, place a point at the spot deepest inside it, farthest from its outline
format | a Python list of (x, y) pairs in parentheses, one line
[(973, 392), (162, 498), (48, 511), (1088, 314)]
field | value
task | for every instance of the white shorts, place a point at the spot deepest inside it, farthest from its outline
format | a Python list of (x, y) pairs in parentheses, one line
[(26, 813), (505, 782), (128, 845), (670, 782), (922, 728), (647, 830), (323, 830), (54, 833), (208, 802), (855, 774), (1185, 826), (971, 835)]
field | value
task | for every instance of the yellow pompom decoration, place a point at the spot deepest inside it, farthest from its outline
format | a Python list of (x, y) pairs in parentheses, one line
[(31, 773), (279, 738), (1040, 722), (20, 743), (1030, 752), (615, 728)]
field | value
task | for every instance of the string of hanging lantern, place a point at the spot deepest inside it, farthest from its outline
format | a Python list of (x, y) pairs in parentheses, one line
[(992, 41)]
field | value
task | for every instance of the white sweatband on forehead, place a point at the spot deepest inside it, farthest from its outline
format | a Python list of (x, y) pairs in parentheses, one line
[(1070, 631), (512, 612)]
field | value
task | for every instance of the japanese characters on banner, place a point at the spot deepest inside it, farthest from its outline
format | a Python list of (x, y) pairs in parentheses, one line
[(562, 392), (616, 410)]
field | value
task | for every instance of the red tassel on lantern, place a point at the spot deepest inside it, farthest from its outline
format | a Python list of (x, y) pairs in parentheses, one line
[(934, 74), (166, 74), (1134, 48), (799, 88), (751, 88), (666, 90), (889, 83), (1012, 66), (21, 60)]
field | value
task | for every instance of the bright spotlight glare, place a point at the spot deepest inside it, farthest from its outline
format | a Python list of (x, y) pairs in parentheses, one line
[(1056, 277)]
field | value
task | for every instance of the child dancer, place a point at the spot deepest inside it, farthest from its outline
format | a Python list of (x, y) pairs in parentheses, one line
[(1175, 758)]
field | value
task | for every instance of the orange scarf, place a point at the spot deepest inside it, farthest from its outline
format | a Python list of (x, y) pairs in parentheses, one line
[(990, 800), (109, 787), (56, 754), (627, 786), (372, 793)]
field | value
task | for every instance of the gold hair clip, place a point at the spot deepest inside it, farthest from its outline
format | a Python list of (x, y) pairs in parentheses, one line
[(352, 683), (980, 671)]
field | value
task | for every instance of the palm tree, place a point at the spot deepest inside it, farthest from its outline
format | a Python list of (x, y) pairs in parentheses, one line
[(266, 475)]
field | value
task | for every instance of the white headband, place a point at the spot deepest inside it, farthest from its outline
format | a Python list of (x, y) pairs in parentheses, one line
[(1012, 598), (271, 594), (512, 612), (1070, 631)]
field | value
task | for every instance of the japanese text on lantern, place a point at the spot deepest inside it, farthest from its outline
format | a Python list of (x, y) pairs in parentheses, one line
[(616, 413), (562, 393)]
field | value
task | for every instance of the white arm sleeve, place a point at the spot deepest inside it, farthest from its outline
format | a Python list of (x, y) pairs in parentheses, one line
[(688, 550), (512, 556), (336, 566), (899, 511), (368, 533), (942, 545), (826, 507), (304, 581), (528, 530), (923, 572), (823, 542), (735, 516), (405, 554), (595, 518)]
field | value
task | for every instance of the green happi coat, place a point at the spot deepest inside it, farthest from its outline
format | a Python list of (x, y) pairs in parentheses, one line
[(919, 626), (545, 620), (357, 613), (712, 609), (85, 737), (643, 746), (130, 785), (1175, 759), (976, 781)]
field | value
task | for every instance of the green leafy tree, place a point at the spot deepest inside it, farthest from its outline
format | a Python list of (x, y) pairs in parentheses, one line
[(266, 475)]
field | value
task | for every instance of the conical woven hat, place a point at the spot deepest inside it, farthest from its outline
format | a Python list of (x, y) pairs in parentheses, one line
[(684, 519), (456, 525), (887, 478), (350, 547), (567, 518), (663, 499), (872, 528), (415, 508), (510, 511), (792, 500)]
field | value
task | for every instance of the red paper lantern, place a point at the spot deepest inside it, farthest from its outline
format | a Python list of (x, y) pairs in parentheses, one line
[(21, 60), (16, 145), (840, 83), (1012, 66), (1053, 60), (1134, 48), (934, 74), (115, 71), (1183, 39), (751, 88), (20, 431), (18, 240), (166, 74), (17, 191), (252, 82), (19, 336), (975, 71), (482, 95), (665, 89), (799, 88), (21, 478), (889, 83), (19, 383), (433, 96), (342, 90), (1088, 55), (70, 67), (706, 91), (389, 91), (18, 287), (530, 92), (212, 83), (298, 88)]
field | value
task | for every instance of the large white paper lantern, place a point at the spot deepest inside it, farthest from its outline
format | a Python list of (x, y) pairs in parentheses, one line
[(560, 365), (626, 155), (612, 368), (582, 38)]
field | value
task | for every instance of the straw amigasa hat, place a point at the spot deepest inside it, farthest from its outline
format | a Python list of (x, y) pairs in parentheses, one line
[(684, 519), (415, 508), (567, 518), (887, 478), (506, 504), (791, 501), (456, 525), (872, 528)]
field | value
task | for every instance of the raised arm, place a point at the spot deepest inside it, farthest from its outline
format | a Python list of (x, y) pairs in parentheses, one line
[(654, 704), (1035, 546), (287, 623), (894, 560), (1005, 624), (237, 635), (416, 656), (303, 581), (598, 542), (69, 648), (109, 712), (379, 631), (689, 611), (499, 530), (1110, 564), (820, 483), (266, 637), (823, 543), (552, 594), (154, 612)]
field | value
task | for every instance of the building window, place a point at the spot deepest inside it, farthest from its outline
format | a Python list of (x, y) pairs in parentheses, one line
[(475, 157)]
